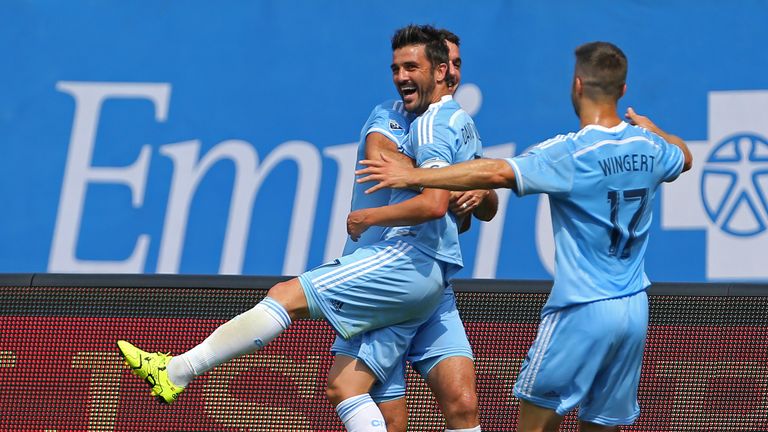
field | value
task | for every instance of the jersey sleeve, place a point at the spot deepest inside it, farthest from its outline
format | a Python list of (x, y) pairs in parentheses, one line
[(434, 142), (387, 122), (670, 159), (545, 168)]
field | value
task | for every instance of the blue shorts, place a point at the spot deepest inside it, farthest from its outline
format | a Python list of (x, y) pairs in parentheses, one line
[(589, 355), (379, 285), (425, 344)]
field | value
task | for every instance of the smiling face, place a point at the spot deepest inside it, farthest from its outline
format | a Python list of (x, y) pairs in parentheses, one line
[(414, 77)]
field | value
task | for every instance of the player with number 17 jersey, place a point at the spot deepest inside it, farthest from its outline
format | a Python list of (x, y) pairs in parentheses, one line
[(601, 183)]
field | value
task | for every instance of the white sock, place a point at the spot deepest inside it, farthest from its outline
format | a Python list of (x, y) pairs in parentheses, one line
[(360, 414), (243, 334), (474, 429)]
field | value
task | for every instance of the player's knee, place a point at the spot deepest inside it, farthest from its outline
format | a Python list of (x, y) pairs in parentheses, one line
[(461, 407), (335, 393), (290, 295)]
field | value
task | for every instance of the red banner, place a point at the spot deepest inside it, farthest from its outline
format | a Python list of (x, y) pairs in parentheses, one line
[(62, 373)]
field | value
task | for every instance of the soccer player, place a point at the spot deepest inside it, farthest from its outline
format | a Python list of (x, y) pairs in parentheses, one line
[(601, 182), (399, 280), (440, 350)]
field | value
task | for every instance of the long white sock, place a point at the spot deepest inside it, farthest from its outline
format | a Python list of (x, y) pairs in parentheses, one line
[(243, 334), (360, 414), (474, 429)]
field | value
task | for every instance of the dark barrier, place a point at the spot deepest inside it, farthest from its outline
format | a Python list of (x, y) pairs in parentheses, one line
[(705, 369)]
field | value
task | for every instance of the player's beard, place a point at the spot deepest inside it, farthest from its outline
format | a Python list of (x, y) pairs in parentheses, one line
[(425, 96)]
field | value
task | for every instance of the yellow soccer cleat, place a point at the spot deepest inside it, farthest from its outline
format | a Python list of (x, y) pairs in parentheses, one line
[(151, 368)]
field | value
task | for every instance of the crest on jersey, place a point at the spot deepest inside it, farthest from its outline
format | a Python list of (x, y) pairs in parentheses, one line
[(395, 127)]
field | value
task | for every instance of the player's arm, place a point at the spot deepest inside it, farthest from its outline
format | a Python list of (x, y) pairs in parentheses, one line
[(645, 122), (428, 205), (474, 174), (377, 144)]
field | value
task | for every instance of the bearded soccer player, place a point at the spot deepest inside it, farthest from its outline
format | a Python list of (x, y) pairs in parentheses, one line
[(601, 182), (399, 280), (440, 350)]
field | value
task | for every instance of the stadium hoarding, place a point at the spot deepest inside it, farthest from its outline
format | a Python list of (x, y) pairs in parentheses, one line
[(705, 367)]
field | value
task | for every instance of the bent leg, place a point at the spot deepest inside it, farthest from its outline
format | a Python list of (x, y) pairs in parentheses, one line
[(243, 334), (534, 418), (452, 381)]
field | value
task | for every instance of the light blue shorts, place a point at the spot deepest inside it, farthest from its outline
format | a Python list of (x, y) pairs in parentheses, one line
[(379, 285), (425, 344), (589, 355)]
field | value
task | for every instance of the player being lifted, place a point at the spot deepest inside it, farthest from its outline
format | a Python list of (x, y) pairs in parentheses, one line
[(440, 350), (399, 280), (601, 182)]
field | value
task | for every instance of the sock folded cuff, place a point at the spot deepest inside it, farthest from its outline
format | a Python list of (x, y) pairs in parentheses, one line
[(349, 407), (276, 311), (474, 429)]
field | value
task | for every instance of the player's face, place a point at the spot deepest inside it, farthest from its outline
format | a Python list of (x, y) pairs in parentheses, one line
[(414, 77), (454, 66)]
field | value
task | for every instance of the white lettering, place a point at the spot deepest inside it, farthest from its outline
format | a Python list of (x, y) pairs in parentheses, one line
[(189, 171), (89, 97)]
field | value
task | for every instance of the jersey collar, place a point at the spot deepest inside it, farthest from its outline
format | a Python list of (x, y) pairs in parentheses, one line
[(618, 128), (442, 100)]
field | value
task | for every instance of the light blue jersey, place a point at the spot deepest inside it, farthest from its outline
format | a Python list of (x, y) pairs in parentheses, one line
[(601, 183), (442, 136), (391, 120)]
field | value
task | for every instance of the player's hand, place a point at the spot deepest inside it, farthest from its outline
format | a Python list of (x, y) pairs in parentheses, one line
[(387, 172), (356, 223), (638, 120), (464, 203)]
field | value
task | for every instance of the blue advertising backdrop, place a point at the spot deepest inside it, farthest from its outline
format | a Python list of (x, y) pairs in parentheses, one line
[(218, 137)]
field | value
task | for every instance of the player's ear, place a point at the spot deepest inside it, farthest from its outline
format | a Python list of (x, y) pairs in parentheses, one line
[(441, 72), (578, 86), (623, 90)]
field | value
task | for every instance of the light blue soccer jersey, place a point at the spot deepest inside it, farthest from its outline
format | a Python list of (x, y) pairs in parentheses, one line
[(443, 135), (601, 183), (391, 120)]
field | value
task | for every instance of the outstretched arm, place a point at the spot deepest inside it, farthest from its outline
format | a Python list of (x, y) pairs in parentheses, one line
[(645, 122), (475, 174)]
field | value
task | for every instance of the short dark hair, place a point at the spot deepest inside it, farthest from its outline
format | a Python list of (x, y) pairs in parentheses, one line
[(434, 44), (602, 67), (450, 36)]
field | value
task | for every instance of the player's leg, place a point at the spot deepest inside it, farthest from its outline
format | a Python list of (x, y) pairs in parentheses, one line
[(441, 353), (395, 413), (612, 401), (560, 370), (534, 418), (349, 381), (382, 353), (243, 334), (452, 381)]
